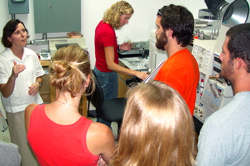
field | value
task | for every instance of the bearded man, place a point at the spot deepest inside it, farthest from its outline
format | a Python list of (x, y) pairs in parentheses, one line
[(224, 137), (174, 32)]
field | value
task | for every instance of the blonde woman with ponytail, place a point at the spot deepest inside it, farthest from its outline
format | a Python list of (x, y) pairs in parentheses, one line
[(57, 133)]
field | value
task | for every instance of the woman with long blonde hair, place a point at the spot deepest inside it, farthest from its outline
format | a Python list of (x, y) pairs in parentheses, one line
[(157, 128)]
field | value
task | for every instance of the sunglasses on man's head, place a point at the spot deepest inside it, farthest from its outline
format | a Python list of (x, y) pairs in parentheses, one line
[(159, 12)]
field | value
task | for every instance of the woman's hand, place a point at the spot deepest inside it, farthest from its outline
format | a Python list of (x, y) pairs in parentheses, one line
[(126, 46), (101, 162), (141, 75), (34, 88), (17, 68), (7, 89)]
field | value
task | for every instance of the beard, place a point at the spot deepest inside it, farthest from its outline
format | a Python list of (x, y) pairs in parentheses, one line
[(162, 41), (227, 70)]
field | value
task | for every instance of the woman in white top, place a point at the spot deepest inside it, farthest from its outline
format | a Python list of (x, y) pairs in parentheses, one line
[(20, 78)]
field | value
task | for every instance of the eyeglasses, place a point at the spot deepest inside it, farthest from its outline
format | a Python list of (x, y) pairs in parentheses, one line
[(159, 13)]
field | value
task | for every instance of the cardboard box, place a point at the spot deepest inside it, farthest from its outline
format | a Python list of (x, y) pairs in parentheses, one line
[(46, 97)]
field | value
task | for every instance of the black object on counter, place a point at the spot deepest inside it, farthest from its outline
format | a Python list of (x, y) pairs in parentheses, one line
[(133, 81), (133, 53)]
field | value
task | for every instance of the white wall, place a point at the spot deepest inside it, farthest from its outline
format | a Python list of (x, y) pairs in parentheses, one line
[(140, 24), (5, 17), (138, 29)]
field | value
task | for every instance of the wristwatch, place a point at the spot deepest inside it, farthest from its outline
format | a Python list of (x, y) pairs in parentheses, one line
[(40, 84)]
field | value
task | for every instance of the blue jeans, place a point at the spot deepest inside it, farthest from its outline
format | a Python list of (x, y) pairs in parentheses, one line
[(109, 84)]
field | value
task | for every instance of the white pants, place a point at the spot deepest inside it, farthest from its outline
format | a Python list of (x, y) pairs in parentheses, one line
[(18, 136)]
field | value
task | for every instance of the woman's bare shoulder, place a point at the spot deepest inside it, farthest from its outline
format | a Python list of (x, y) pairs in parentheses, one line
[(100, 140), (99, 129), (28, 111), (30, 108)]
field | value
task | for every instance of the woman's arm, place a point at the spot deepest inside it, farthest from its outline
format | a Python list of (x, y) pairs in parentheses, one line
[(104, 146), (34, 88), (7, 89), (28, 111), (110, 56), (39, 80)]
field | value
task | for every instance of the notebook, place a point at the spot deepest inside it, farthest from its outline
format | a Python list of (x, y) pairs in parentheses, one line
[(153, 73)]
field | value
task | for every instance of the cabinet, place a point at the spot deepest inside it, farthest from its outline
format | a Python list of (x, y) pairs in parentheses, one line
[(57, 15), (122, 86), (45, 88)]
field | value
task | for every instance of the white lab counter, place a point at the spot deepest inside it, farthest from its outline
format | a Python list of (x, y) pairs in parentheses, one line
[(135, 63)]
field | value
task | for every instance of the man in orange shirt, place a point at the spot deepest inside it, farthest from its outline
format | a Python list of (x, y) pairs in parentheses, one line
[(175, 25)]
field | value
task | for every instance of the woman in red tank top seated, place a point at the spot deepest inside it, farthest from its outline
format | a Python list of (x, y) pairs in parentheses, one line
[(57, 133)]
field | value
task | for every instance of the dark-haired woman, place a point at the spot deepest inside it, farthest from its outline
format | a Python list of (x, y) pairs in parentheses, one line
[(20, 79)]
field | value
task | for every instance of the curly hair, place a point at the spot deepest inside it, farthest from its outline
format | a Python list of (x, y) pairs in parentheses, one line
[(9, 29), (157, 128), (69, 69), (237, 46), (180, 20), (113, 14)]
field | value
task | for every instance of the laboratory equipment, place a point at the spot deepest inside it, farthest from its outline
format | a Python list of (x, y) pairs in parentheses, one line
[(56, 43), (41, 48), (132, 52), (214, 93), (138, 49), (44, 55), (220, 11), (137, 63), (18, 6), (211, 17), (203, 51), (236, 13)]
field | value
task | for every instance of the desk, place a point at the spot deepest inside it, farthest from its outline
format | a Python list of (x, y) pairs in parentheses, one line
[(45, 88), (134, 63), (122, 86), (45, 63), (48, 94)]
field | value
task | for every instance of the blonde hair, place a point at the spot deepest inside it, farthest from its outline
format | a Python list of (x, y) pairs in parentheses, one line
[(113, 14), (69, 69), (157, 128)]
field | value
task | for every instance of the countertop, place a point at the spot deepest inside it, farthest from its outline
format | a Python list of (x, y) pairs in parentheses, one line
[(138, 63)]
